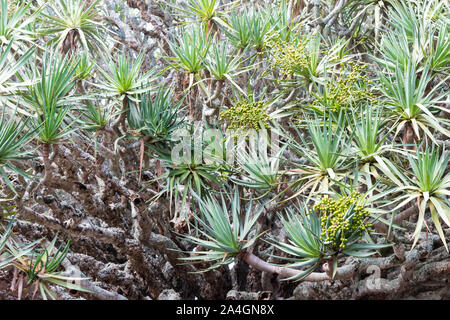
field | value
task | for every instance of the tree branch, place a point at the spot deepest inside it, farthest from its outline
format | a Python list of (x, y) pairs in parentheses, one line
[(345, 272)]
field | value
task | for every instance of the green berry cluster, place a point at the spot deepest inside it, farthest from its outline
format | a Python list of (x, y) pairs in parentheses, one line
[(341, 218), (288, 57), (246, 114), (350, 88)]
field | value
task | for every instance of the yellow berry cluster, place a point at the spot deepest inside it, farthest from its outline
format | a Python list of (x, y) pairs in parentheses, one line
[(290, 58), (341, 218), (246, 114), (347, 89)]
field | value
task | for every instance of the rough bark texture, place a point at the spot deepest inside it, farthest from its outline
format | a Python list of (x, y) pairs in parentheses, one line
[(126, 244)]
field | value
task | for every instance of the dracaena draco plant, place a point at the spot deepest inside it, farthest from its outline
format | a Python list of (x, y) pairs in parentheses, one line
[(260, 27), (14, 138), (220, 64), (84, 67), (395, 48), (14, 24), (415, 17), (155, 117), (326, 156), (370, 144), (154, 120), (249, 28), (185, 172), (422, 41), (52, 127), (206, 12), (6, 234), (330, 229), (40, 268), (71, 23), (225, 228), (94, 117), (402, 43), (427, 184), (239, 32), (189, 52), (8, 69), (50, 124), (124, 79), (438, 53), (224, 67), (53, 85), (413, 103), (256, 169), (281, 21)]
